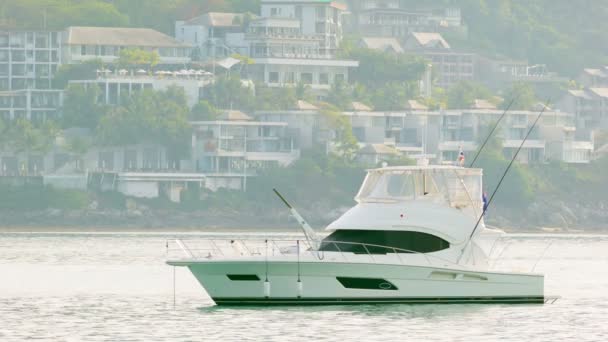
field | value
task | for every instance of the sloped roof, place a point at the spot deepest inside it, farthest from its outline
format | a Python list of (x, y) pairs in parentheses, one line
[(378, 149), (596, 72), (601, 92), (382, 44), (579, 93), (360, 107), (430, 40), (601, 151), (303, 105), (234, 115), (120, 36), (218, 19), (482, 104), (415, 105)]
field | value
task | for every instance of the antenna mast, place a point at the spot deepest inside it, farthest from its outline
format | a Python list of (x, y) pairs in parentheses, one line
[(503, 178), (492, 132)]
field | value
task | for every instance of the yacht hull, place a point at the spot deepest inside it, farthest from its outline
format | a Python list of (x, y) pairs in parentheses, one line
[(246, 282)]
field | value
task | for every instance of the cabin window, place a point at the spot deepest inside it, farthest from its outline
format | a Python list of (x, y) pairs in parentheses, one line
[(366, 283), (243, 277), (382, 242)]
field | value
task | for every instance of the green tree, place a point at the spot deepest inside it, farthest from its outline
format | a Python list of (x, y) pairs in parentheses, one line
[(245, 62), (346, 142), (464, 93), (81, 71), (267, 98), (203, 111), (58, 14), (135, 57), (393, 95), (340, 95), (24, 137), (229, 92), (523, 96), (377, 68), (153, 117), (80, 107)]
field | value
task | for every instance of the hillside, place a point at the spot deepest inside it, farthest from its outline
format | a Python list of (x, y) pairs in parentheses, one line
[(566, 35)]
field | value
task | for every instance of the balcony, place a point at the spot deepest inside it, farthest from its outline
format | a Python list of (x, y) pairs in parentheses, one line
[(528, 144), (456, 145)]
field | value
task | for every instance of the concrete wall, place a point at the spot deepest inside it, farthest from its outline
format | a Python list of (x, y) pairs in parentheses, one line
[(139, 189)]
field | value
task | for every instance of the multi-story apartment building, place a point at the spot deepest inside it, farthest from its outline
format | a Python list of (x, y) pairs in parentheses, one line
[(28, 63), (285, 55), (233, 147), (208, 33), (29, 59), (597, 78), (291, 42), (105, 43), (394, 18), (439, 135), (31, 104), (317, 18), (449, 66), (589, 106)]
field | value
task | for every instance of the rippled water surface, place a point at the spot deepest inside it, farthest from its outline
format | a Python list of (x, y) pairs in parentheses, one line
[(100, 287)]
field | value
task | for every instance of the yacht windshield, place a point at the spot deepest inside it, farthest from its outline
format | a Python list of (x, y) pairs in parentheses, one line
[(373, 241)]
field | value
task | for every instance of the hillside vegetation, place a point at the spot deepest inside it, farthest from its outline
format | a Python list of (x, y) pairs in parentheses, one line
[(564, 34)]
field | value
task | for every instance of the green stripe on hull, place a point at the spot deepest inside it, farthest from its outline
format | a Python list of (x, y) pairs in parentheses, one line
[(398, 300)]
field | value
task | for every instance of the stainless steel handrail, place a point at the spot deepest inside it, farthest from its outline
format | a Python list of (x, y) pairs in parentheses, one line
[(195, 252)]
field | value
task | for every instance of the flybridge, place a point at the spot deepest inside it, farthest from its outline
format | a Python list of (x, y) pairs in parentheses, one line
[(455, 186)]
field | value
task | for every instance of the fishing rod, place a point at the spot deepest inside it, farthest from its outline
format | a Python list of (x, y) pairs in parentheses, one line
[(485, 209), (492, 131), (311, 237)]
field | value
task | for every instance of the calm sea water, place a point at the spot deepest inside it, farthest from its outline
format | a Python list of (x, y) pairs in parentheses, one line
[(115, 287)]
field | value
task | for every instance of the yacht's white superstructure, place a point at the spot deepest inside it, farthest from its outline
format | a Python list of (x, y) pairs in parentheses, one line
[(406, 241)]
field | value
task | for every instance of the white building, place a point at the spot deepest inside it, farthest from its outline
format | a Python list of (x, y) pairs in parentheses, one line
[(31, 104), (317, 18), (28, 63), (291, 42), (208, 33), (589, 106), (29, 59), (394, 18), (449, 66), (105, 43), (234, 147)]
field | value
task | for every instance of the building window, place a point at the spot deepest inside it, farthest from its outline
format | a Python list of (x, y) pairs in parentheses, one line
[(339, 78), (321, 12), (275, 11), (290, 77), (273, 77), (306, 78), (83, 50), (323, 78)]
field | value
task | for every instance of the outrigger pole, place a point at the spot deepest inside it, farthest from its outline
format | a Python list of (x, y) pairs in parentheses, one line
[(306, 228), (492, 131), (503, 178)]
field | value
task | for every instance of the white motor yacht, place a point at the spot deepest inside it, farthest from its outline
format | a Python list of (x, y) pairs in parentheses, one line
[(412, 237)]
